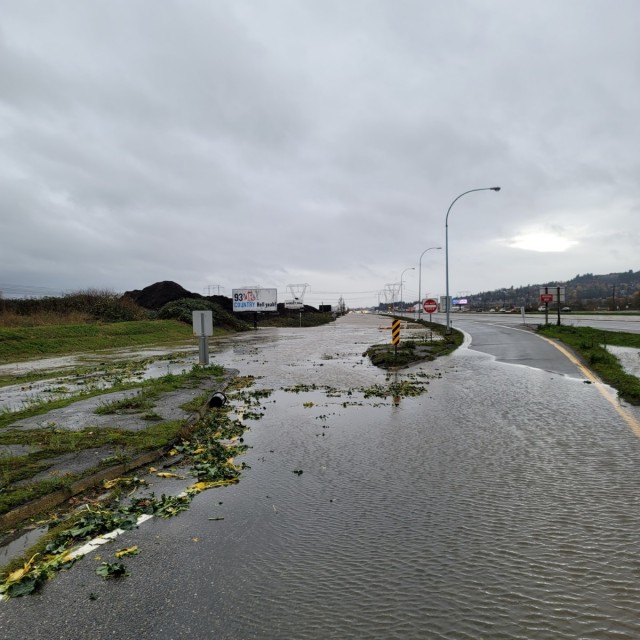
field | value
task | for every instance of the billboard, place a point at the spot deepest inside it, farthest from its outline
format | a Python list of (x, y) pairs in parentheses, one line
[(254, 299), (459, 301)]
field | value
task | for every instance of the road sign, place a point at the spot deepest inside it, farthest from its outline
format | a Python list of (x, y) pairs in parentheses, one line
[(430, 305), (557, 293), (546, 297), (395, 332)]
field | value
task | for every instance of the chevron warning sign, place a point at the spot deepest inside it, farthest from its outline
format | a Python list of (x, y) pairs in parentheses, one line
[(395, 332)]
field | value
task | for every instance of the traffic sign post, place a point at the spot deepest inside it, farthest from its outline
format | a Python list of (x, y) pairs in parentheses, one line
[(430, 306), (552, 294)]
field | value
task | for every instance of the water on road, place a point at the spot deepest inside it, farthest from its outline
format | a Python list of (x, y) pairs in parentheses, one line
[(503, 503)]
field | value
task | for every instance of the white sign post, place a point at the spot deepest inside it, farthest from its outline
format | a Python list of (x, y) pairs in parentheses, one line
[(203, 328)]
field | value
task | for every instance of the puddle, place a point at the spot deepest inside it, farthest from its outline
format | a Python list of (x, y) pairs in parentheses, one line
[(629, 358), (84, 359), (17, 547), (133, 369)]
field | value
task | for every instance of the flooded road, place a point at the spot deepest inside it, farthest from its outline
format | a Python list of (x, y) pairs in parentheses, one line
[(502, 503)]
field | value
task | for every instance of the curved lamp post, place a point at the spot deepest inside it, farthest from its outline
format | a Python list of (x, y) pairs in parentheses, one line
[(407, 269), (420, 280), (446, 247)]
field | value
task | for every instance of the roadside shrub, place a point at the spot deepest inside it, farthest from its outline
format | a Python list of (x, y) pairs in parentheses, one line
[(89, 305), (183, 309)]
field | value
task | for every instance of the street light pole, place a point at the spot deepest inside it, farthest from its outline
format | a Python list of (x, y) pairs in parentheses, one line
[(407, 269), (420, 280), (446, 248)]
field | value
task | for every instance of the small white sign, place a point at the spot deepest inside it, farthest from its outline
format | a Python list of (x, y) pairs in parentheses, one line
[(203, 323)]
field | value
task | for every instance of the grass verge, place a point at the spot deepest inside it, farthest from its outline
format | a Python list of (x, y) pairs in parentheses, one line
[(590, 345), (21, 343), (49, 441), (412, 351)]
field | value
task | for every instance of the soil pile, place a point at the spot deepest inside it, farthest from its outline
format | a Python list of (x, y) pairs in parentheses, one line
[(155, 296)]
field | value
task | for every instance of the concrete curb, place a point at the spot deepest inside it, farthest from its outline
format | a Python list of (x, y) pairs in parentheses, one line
[(30, 509)]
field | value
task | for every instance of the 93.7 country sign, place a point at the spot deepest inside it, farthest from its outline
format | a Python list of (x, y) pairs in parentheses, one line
[(255, 300)]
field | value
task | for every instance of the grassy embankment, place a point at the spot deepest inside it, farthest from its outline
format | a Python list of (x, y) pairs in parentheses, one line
[(412, 351), (21, 343), (589, 344)]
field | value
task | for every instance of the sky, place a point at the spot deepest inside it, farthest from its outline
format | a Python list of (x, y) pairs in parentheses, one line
[(222, 144)]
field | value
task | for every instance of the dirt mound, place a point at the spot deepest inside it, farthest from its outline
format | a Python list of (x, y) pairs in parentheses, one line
[(155, 296)]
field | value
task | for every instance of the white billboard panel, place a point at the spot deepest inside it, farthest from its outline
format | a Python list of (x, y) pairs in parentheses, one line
[(255, 300)]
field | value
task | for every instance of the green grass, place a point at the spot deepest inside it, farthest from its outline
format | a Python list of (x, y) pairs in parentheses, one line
[(20, 343), (589, 343), (52, 441), (294, 319), (149, 391), (411, 351), (126, 444)]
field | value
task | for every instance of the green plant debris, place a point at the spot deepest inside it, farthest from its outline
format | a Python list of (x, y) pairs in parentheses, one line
[(210, 453), (32, 575), (404, 389), (112, 570)]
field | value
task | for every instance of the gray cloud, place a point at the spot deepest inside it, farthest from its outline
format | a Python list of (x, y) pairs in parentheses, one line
[(243, 142)]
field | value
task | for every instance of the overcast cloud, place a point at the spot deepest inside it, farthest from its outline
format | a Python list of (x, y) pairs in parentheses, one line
[(242, 142)]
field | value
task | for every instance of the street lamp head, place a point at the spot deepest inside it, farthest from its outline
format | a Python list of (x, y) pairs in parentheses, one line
[(495, 188)]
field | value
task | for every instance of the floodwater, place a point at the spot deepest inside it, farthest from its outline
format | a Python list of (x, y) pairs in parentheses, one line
[(89, 372), (502, 503)]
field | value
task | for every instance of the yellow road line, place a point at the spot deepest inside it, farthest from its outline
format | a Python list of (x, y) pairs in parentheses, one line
[(604, 390)]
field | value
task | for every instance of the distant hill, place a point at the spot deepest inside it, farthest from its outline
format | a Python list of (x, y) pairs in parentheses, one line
[(614, 291)]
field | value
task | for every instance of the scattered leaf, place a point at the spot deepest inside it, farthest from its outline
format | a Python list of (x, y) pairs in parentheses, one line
[(112, 570), (131, 551)]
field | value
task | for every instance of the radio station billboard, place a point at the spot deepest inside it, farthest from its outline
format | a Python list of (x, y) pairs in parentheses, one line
[(254, 299)]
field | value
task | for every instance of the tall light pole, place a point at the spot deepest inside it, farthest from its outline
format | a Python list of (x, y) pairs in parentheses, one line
[(407, 269), (446, 247), (420, 280)]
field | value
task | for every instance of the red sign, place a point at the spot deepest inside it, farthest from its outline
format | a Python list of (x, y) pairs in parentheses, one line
[(430, 305), (546, 297)]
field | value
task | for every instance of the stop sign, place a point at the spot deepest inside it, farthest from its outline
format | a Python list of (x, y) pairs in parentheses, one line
[(430, 305)]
